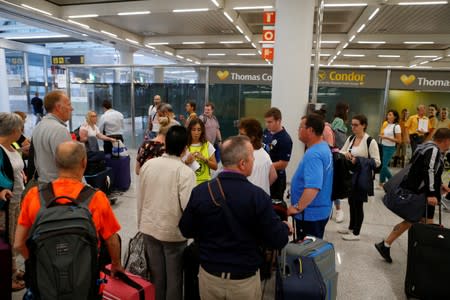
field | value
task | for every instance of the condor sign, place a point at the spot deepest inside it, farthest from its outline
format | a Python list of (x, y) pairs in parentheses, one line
[(424, 81), (352, 78)]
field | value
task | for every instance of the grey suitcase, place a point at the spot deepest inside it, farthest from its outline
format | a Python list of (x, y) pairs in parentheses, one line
[(324, 257)]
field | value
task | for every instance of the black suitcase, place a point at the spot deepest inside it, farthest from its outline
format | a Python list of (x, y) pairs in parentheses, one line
[(298, 277), (5, 260), (428, 263)]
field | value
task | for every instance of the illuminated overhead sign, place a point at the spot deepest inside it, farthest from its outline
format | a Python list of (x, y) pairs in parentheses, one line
[(68, 60)]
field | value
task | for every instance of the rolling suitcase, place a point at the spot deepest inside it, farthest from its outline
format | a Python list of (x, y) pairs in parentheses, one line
[(298, 277), (427, 270), (127, 287), (121, 176), (324, 256), (5, 260)]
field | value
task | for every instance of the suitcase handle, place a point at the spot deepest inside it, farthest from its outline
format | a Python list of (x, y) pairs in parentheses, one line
[(127, 280)]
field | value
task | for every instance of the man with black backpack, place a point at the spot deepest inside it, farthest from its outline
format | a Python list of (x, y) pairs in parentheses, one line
[(59, 228)]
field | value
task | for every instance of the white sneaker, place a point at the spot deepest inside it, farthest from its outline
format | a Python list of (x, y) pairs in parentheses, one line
[(339, 216), (344, 231), (350, 237)]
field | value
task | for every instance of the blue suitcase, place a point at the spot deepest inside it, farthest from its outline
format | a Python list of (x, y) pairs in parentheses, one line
[(120, 175), (298, 277)]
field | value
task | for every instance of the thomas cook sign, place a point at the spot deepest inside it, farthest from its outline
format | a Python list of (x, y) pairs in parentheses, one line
[(238, 75), (419, 80)]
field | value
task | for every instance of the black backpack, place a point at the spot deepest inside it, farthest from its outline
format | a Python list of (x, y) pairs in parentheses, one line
[(342, 176), (63, 262)]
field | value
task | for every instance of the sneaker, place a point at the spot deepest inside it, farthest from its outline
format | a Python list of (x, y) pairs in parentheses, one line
[(339, 216), (344, 231), (350, 237), (384, 251)]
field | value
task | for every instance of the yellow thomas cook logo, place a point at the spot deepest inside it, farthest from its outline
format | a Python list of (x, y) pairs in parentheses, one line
[(322, 75), (222, 75), (407, 80)]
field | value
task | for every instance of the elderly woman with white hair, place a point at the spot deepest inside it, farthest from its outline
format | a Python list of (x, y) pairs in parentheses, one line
[(12, 179)]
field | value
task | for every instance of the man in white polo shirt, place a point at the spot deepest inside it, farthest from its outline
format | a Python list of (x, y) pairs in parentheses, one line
[(111, 125)]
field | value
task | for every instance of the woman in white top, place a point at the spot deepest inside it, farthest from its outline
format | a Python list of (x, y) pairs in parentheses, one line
[(263, 172), (365, 157), (12, 183), (89, 129), (390, 135)]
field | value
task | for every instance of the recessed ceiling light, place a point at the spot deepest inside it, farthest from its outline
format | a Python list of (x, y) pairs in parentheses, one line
[(437, 58), (425, 56), (352, 38), (259, 52), (193, 43), (247, 38), (132, 13), (252, 7), (388, 55), (246, 54), (84, 34), (339, 52), (228, 16), (138, 55), (412, 66), (371, 42), (216, 54), (168, 53), (345, 4), (424, 62), (361, 28), (179, 56), (345, 46), (83, 16), (418, 42), (197, 62), (35, 37), (239, 29), (266, 42), (367, 66), (215, 3), (108, 33), (423, 3), (149, 46), (189, 60), (231, 42), (423, 67), (354, 55), (341, 65), (158, 43), (37, 9), (77, 23), (253, 45), (132, 41), (374, 13), (330, 42), (190, 10)]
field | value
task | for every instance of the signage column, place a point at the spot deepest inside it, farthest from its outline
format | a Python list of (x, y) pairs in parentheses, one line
[(4, 93), (291, 68)]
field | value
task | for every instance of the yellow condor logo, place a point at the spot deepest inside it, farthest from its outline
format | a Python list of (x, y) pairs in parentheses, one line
[(222, 75), (407, 80), (322, 75)]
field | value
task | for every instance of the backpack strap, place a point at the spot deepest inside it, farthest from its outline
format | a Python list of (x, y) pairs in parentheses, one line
[(369, 140), (85, 196), (47, 196)]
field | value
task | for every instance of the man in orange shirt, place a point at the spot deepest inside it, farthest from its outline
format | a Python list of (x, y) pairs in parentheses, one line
[(416, 134), (71, 162)]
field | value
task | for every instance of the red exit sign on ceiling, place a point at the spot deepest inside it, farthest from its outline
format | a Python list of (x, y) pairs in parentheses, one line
[(269, 18)]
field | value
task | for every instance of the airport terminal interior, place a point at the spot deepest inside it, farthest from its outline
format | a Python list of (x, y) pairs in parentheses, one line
[(374, 55)]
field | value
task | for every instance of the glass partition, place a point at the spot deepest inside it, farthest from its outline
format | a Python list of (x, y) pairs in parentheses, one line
[(361, 101), (15, 70)]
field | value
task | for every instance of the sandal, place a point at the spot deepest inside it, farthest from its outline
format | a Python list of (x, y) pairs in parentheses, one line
[(19, 275), (17, 285)]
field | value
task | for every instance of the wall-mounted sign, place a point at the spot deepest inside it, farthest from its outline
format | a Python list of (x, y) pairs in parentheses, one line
[(352, 78), (267, 53), (14, 60), (268, 35), (420, 80), (68, 60), (269, 18), (240, 75)]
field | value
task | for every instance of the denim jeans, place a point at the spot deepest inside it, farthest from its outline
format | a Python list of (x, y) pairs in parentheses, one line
[(388, 151)]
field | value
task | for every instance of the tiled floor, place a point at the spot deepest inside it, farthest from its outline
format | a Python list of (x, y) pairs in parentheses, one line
[(363, 274)]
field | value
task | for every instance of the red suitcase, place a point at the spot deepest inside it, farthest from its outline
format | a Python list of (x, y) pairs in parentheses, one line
[(127, 287)]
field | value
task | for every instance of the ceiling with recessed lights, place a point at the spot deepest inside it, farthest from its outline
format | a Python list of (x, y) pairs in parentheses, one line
[(381, 33)]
